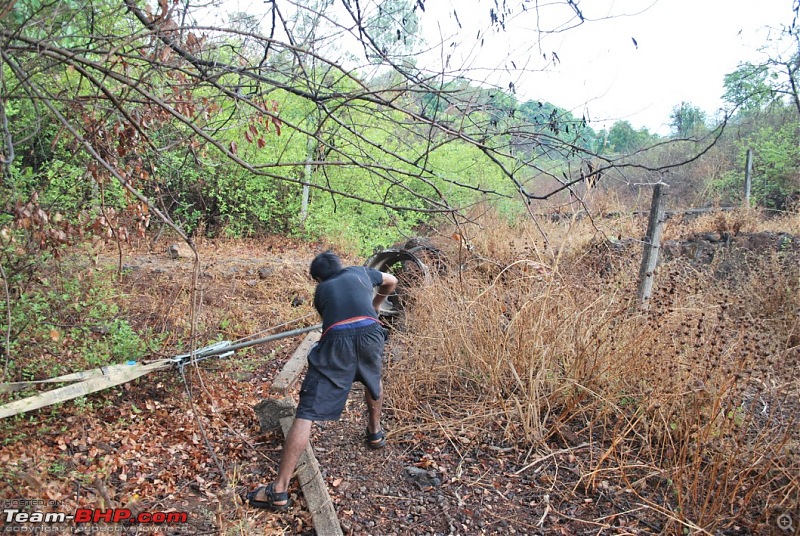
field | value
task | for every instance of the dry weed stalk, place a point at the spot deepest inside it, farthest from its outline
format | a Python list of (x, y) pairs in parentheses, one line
[(690, 406)]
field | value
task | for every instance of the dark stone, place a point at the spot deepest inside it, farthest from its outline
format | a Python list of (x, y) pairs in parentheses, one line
[(271, 410), (421, 477)]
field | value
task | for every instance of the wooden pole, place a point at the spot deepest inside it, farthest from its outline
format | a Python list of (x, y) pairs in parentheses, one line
[(748, 177), (652, 243)]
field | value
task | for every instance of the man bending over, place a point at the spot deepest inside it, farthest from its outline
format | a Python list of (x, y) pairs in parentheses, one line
[(350, 349)]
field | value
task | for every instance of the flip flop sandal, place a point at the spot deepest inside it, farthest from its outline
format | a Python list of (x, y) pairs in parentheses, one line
[(272, 497), (377, 440)]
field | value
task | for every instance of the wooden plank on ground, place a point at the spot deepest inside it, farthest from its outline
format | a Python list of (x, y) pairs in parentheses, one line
[(108, 370), (323, 514), (117, 376), (315, 491), (295, 365)]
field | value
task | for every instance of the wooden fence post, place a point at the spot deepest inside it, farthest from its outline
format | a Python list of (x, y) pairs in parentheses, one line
[(748, 177), (652, 243)]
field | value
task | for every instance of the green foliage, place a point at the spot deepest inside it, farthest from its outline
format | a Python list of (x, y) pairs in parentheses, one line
[(66, 187), (119, 343), (562, 125), (624, 139), (64, 19), (247, 204), (200, 187), (434, 103), (687, 120), (776, 162), (362, 230), (75, 318), (748, 87)]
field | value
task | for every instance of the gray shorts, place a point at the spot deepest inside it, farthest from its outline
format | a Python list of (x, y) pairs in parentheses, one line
[(344, 355)]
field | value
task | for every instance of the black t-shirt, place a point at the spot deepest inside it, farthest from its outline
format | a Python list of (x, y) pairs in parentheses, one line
[(347, 294)]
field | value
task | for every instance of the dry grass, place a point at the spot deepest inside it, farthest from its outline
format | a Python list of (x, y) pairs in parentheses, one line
[(691, 406), (243, 288), (743, 220)]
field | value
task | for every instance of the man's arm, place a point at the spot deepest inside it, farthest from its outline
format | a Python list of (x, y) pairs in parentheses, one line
[(384, 290)]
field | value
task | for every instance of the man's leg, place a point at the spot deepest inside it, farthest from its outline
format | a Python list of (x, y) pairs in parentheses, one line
[(293, 447), (373, 411)]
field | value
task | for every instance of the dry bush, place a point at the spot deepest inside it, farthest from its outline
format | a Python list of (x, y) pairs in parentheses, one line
[(690, 405), (743, 220)]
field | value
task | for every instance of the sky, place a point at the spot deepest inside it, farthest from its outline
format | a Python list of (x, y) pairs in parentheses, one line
[(682, 51)]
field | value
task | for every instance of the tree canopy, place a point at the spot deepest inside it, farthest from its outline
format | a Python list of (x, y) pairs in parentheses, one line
[(145, 108)]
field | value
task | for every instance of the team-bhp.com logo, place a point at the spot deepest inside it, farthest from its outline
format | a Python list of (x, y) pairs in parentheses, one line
[(94, 516)]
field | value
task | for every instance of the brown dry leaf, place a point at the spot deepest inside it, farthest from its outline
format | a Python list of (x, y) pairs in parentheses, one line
[(55, 335), (336, 482), (53, 495), (33, 481)]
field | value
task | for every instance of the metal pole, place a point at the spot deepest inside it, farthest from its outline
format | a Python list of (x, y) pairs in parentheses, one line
[(222, 349), (275, 337)]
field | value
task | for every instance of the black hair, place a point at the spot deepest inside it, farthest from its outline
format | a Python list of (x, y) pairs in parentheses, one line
[(325, 265)]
